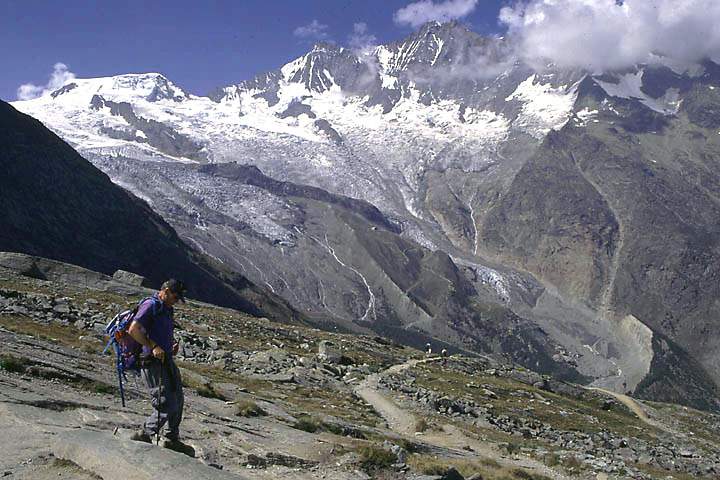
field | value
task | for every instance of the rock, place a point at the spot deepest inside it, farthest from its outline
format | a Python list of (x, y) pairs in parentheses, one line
[(489, 393), (24, 265), (113, 458), (130, 278), (452, 474), (328, 352)]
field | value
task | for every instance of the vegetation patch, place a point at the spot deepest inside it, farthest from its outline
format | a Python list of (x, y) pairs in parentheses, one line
[(61, 463), (248, 408), (54, 332), (487, 468), (421, 425), (11, 363), (307, 424), (208, 391), (374, 458)]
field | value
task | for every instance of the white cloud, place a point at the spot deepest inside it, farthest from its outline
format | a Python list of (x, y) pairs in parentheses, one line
[(313, 30), (361, 39), (417, 13), (605, 34), (59, 77)]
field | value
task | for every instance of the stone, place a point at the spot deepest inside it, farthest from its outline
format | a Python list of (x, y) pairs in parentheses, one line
[(130, 278), (113, 458), (328, 352), (452, 474), (24, 265)]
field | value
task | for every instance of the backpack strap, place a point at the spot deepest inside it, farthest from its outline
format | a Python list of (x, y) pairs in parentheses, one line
[(156, 305)]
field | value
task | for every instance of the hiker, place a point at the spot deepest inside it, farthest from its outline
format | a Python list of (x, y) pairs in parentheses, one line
[(428, 349), (152, 327), (444, 355)]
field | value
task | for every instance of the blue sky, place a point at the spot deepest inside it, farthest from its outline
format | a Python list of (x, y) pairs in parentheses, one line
[(198, 45)]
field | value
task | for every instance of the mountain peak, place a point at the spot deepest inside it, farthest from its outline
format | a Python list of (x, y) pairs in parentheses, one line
[(443, 30), (151, 86), (327, 47)]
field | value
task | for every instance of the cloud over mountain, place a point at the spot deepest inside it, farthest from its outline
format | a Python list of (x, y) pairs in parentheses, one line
[(59, 77), (313, 30), (361, 39), (417, 13), (609, 34)]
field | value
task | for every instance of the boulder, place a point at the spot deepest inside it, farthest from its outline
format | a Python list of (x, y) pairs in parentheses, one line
[(329, 352), (113, 458), (130, 278)]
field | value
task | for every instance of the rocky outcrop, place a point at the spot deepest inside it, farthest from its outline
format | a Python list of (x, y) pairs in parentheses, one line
[(117, 459)]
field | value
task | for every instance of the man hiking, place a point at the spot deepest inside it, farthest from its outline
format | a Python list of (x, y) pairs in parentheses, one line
[(153, 327)]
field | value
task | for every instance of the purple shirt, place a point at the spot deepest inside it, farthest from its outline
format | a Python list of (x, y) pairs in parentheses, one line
[(157, 320)]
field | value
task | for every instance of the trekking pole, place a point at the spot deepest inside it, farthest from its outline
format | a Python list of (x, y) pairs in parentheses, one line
[(159, 398)]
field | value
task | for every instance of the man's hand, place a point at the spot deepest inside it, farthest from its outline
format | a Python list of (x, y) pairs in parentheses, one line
[(176, 347), (158, 353)]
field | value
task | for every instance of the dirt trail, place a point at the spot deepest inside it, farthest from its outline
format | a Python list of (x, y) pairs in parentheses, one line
[(398, 420), (451, 437), (638, 409)]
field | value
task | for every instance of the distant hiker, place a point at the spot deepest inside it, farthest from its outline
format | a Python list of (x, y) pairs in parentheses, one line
[(152, 327), (444, 355), (428, 349)]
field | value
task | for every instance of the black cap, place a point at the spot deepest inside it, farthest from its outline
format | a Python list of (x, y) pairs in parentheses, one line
[(177, 287)]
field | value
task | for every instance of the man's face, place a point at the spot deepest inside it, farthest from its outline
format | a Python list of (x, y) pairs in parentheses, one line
[(168, 297)]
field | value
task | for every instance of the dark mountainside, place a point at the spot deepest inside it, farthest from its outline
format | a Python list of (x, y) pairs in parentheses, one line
[(56, 204)]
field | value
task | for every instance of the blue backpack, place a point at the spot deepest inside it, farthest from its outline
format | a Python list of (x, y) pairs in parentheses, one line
[(127, 349)]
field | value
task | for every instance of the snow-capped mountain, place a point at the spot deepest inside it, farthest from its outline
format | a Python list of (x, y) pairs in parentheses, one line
[(429, 187)]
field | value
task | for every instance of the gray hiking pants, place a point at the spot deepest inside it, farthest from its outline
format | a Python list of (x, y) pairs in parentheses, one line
[(167, 401)]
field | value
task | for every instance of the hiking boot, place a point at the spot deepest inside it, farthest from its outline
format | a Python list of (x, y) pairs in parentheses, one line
[(141, 436), (178, 446)]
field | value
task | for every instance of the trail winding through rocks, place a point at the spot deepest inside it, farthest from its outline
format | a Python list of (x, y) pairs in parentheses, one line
[(638, 409), (449, 437)]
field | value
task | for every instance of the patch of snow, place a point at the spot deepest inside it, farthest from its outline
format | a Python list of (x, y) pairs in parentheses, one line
[(582, 116), (544, 107), (629, 86), (388, 81)]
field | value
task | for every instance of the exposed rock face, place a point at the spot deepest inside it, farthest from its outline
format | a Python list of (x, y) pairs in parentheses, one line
[(130, 278), (622, 217)]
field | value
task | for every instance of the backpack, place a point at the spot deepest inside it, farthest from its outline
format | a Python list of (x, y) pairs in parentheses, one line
[(127, 349)]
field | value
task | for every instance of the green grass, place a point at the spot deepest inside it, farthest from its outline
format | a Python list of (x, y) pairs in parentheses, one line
[(307, 424), (14, 364), (374, 458)]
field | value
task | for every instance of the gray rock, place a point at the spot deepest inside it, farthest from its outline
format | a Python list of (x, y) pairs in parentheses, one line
[(329, 352), (130, 278), (113, 458)]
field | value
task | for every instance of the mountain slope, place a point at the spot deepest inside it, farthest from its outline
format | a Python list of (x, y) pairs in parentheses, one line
[(56, 204), (621, 209)]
